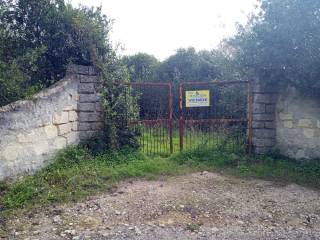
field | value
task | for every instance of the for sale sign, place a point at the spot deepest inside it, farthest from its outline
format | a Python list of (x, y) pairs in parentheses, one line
[(199, 98)]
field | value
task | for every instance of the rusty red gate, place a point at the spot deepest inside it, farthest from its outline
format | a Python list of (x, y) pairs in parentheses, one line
[(192, 115)]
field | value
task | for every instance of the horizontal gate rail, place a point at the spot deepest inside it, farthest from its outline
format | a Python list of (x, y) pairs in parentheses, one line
[(193, 121)]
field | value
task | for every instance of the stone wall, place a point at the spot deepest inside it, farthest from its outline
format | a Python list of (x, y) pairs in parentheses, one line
[(298, 125), (32, 131), (264, 125)]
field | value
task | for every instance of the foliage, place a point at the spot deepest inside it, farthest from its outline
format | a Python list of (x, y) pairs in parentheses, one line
[(189, 65), (41, 37), (142, 67), (281, 44)]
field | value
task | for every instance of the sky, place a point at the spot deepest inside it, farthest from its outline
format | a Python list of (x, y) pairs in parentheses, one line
[(160, 27)]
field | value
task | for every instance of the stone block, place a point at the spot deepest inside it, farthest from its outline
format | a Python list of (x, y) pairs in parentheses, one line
[(259, 108), (72, 138), (86, 107), (305, 123), (288, 124), (86, 88), (64, 128), (270, 125), (264, 133), (88, 117), (257, 124), (261, 150), (74, 126), (285, 116), (10, 153), (99, 108), (60, 143), (41, 147), (88, 98), (89, 79), (268, 142), (270, 108), (318, 123), (77, 69), (84, 126), (264, 117), (73, 116), (60, 118), (87, 134), (26, 138), (51, 131), (265, 98), (309, 133)]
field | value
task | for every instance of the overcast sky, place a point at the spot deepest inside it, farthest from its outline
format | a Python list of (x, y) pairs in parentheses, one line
[(159, 27)]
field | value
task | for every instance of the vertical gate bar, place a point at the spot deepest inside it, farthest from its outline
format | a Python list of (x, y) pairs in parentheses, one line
[(181, 121), (170, 118), (250, 117)]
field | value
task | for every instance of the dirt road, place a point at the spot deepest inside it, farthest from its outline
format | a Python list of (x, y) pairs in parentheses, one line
[(195, 206)]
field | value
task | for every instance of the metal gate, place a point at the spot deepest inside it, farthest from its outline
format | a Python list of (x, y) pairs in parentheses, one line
[(215, 115)]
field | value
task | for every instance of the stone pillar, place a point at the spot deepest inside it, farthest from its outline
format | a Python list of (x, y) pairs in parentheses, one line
[(264, 117)]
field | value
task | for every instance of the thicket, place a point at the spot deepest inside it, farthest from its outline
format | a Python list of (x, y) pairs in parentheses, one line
[(40, 38)]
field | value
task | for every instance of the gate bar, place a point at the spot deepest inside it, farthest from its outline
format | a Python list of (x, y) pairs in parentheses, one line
[(170, 118), (181, 119)]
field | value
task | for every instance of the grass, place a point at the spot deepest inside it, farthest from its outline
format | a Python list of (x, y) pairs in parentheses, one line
[(154, 140), (76, 174)]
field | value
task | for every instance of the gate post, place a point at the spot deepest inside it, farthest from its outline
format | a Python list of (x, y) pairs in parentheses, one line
[(265, 97), (170, 118), (181, 120)]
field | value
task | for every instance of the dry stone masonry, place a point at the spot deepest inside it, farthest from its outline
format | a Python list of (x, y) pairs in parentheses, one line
[(298, 125), (264, 126), (285, 121), (32, 131)]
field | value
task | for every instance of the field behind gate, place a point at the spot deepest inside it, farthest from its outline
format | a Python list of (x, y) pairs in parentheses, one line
[(170, 120)]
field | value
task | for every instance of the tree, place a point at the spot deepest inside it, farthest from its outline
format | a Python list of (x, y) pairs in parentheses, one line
[(189, 65), (142, 67), (281, 44)]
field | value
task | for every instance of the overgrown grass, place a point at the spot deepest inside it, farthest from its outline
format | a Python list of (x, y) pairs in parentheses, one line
[(76, 174)]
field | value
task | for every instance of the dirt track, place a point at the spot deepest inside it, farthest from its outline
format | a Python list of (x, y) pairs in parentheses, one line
[(196, 206)]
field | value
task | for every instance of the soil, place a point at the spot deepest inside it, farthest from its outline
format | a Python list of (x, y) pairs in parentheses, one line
[(195, 206)]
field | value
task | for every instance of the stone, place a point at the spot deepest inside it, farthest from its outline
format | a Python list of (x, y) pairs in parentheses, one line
[(265, 98), (64, 128), (60, 118), (60, 143), (26, 138), (89, 79), (264, 142), (257, 124), (270, 124), (270, 108), (286, 116), (10, 153), (288, 124), (99, 107), (88, 98), (86, 107), (74, 126), (51, 131), (86, 88), (259, 108), (73, 116), (263, 117), (309, 133), (84, 126), (88, 117), (318, 123), (264, 133), (305, 123), (72, 138), (41, 148)]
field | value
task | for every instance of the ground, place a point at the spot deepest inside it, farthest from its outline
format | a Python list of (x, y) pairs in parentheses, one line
[(194, 206)]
